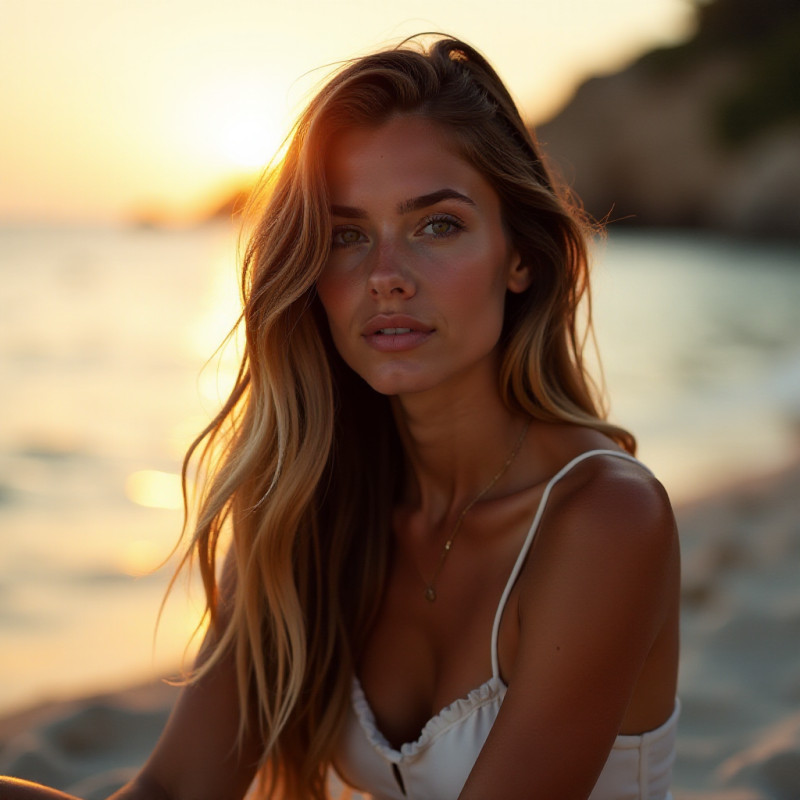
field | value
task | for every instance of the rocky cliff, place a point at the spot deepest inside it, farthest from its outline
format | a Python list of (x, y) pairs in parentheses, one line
[(703, 135)]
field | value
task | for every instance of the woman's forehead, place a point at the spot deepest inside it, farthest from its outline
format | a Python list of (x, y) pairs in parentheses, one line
[(402, 158)]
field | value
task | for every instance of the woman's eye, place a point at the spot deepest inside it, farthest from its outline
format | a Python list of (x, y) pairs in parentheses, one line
[(346, 237), (440, 227)]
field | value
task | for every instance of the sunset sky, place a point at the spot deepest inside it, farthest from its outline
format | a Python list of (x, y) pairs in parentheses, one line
[(113, 109)]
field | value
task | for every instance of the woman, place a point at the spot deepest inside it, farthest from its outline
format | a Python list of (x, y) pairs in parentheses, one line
[(447, 576)]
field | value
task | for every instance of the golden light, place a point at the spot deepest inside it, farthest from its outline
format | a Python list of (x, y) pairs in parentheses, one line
[(235, 122), (223, 306), (140, 557), (248, 143), (154, 489)]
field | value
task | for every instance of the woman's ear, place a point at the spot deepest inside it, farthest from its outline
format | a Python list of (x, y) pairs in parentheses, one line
[(520, 274)]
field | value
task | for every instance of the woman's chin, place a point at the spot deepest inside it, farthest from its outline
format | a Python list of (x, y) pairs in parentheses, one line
[(399, 383)]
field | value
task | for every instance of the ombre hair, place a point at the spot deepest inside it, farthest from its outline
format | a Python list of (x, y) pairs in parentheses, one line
[(303, 464)]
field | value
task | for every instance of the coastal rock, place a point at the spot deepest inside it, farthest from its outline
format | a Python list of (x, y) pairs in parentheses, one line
[(642, 146)]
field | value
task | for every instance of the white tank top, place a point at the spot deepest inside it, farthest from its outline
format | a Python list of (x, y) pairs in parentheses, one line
[(437, 764)]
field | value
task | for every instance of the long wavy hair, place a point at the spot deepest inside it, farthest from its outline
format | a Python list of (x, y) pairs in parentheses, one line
[(302, 463)]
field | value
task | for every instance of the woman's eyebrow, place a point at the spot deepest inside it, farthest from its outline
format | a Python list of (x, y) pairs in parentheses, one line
[(406, 206), (425, 200), (349, 212)]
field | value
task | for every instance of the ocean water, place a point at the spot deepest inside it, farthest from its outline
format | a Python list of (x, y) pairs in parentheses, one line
[(104, 334)]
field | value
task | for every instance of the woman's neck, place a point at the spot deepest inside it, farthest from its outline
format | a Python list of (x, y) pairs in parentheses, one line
[(455, 443)]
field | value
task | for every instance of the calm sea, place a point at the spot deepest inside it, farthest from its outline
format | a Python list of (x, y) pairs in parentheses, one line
[(103, 337)]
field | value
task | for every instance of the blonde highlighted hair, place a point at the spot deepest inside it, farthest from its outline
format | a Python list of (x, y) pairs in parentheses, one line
[(302, 463)]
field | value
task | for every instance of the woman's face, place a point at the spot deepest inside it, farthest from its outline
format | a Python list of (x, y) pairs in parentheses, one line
[(420, 263)]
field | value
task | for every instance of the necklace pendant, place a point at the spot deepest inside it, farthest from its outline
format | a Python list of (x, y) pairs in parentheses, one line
[(430, 594)]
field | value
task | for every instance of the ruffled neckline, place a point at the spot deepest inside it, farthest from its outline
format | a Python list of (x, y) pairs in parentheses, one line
[(491, 690)]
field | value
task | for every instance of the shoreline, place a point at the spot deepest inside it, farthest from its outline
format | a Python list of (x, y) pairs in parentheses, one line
[(739, 733)]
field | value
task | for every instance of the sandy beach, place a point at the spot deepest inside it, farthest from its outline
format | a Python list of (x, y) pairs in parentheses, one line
[(739, 736)]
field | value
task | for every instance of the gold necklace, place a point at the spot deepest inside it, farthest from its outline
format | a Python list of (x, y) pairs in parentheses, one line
[(430, 587)]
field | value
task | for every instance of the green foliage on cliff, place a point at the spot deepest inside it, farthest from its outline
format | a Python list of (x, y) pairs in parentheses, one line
[(770, 93), (764, 37), (742, 25)]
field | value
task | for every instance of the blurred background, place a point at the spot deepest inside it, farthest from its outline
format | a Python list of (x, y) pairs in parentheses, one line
[(129, 130)]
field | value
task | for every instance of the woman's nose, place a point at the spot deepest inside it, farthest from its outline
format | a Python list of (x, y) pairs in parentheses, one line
[(389, 274)]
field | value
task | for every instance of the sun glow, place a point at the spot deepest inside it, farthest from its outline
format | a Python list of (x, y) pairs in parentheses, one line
[(248, 144), (202, 94), (236, 123), (154, 489)]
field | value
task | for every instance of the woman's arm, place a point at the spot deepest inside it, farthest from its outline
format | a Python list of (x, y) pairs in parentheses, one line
[(600, 588), (13, 789), (196, 757)]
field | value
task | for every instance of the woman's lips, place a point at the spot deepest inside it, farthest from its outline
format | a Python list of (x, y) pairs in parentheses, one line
[(391, 334), (399, 339)]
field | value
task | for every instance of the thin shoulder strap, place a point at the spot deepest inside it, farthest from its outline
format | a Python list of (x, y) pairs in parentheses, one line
[(526, 546)]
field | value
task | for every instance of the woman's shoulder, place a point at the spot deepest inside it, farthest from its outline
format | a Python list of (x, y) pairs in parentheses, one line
[(609, 478), (607, 538), (602, 492)]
